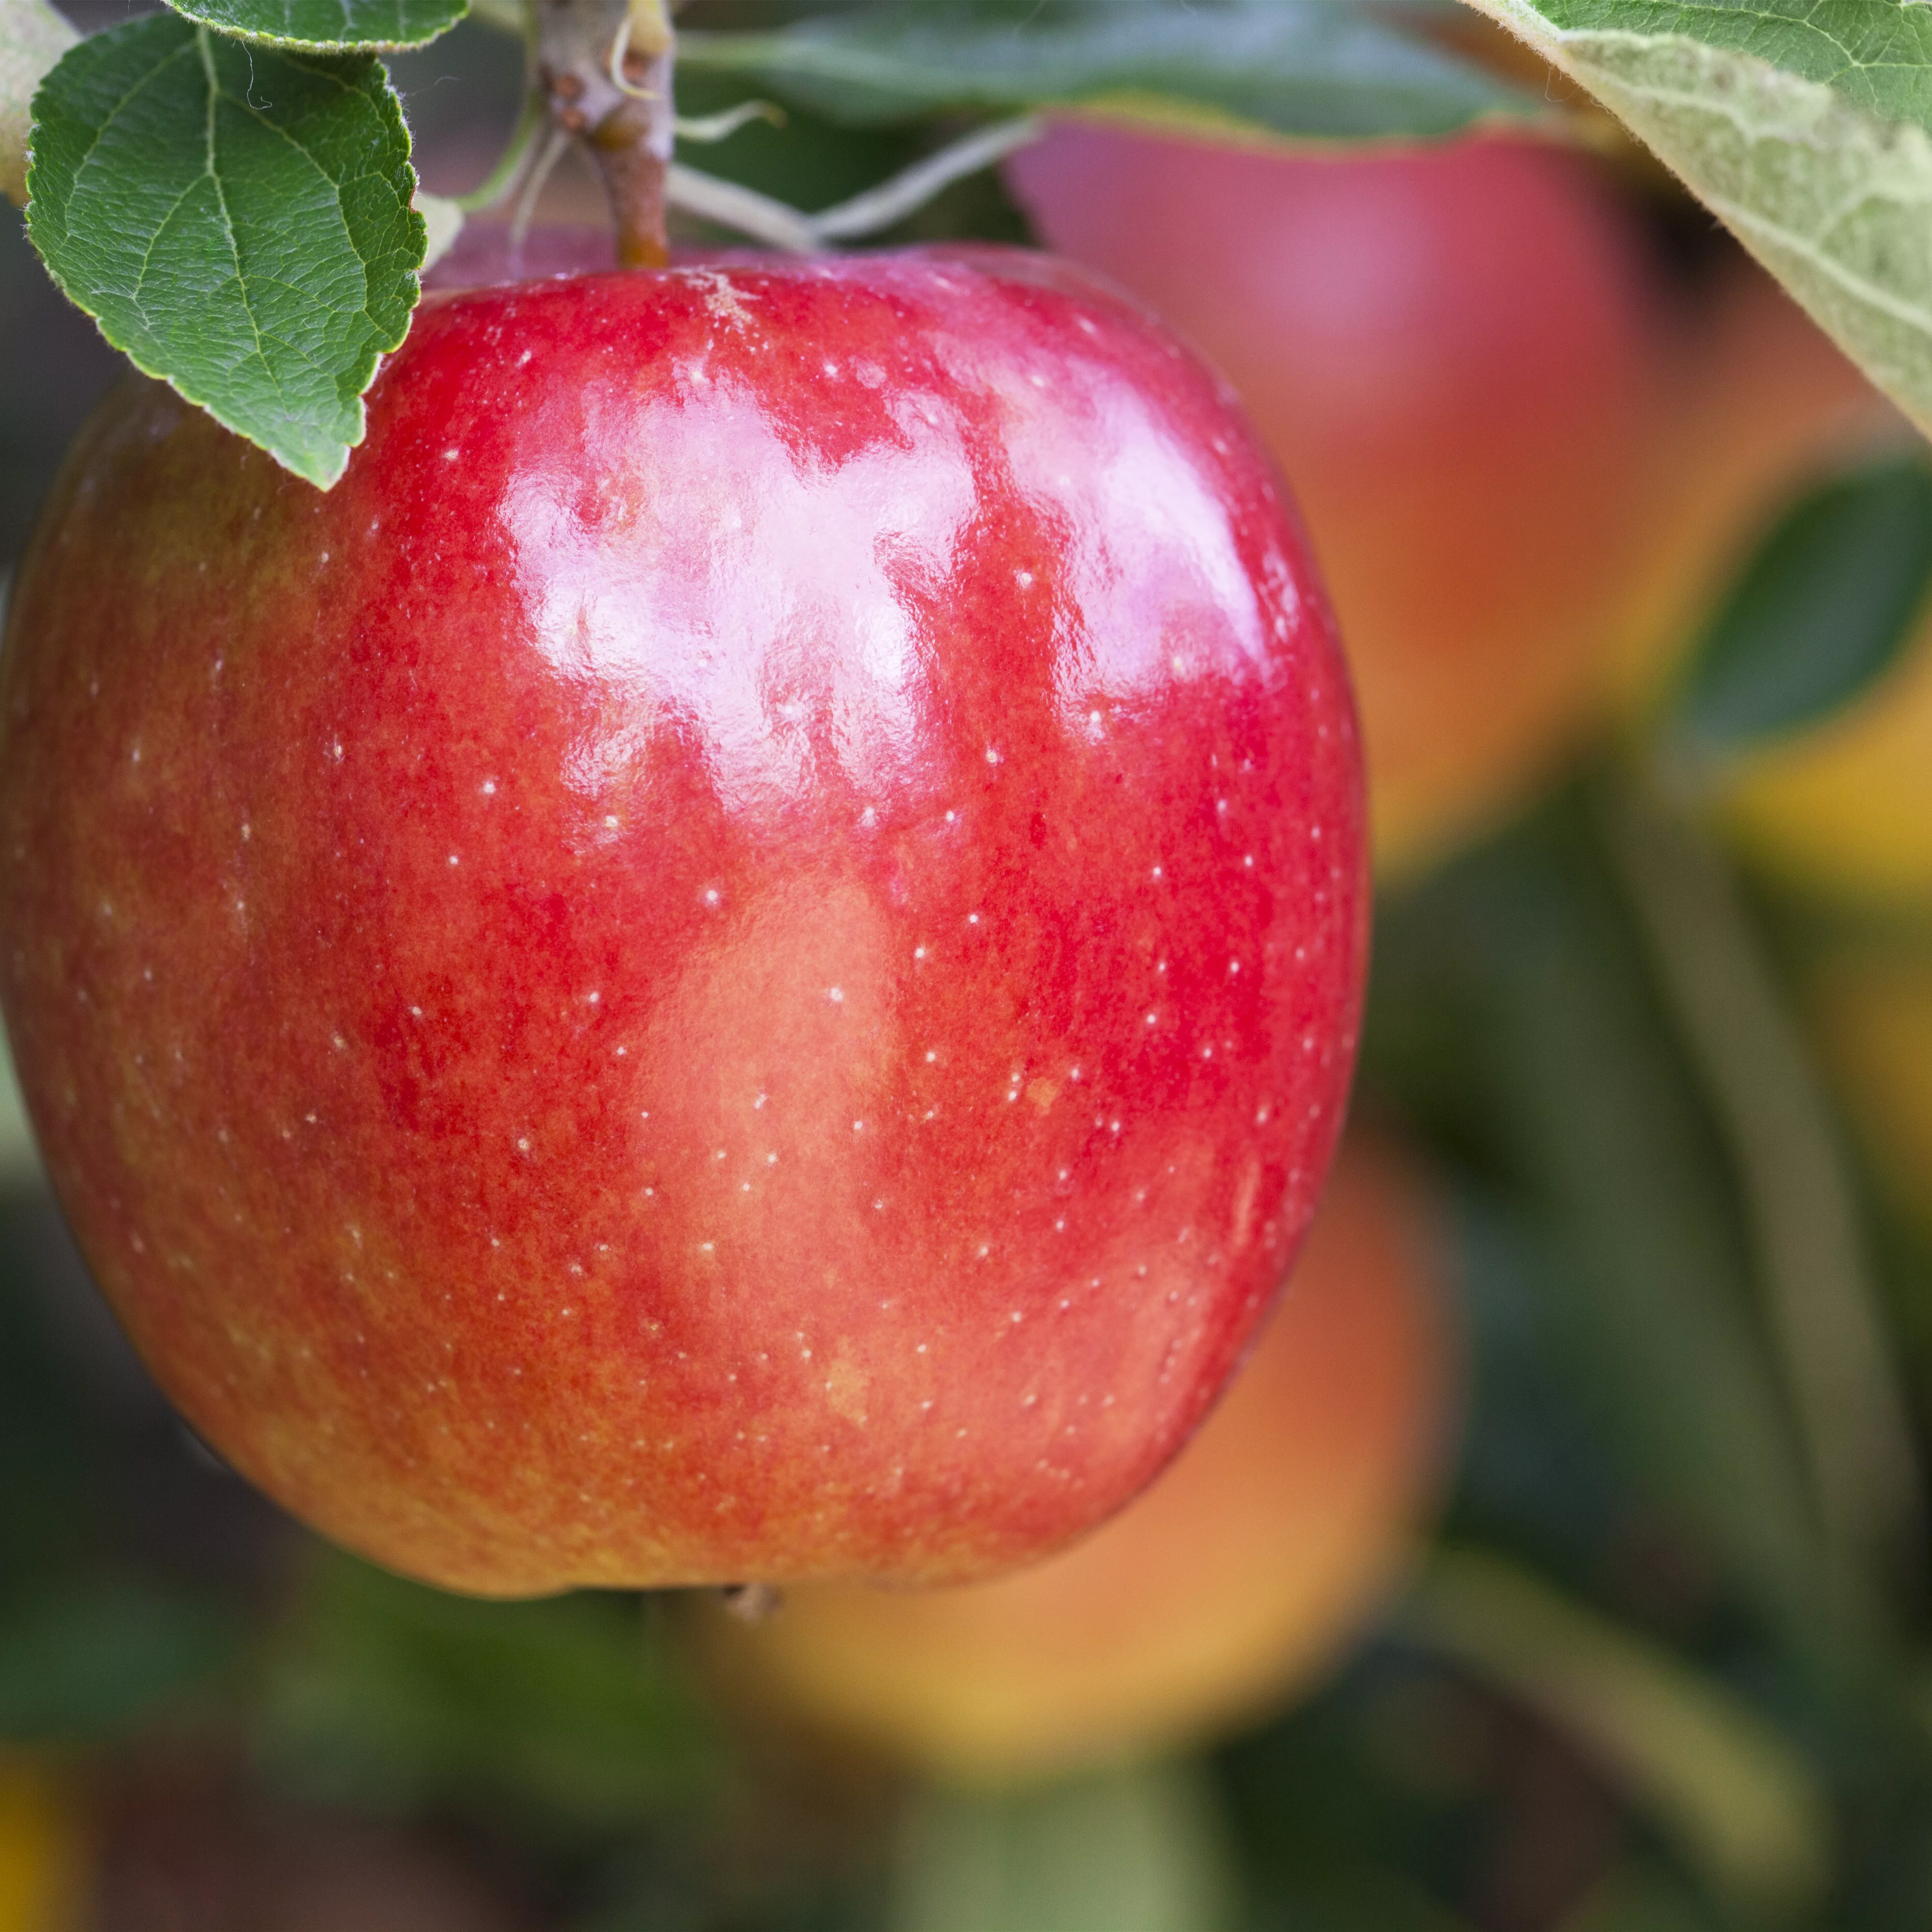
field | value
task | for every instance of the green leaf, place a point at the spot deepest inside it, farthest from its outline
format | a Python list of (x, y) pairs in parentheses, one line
[(1819, 614), (328, 26), (1807, 128), (1242, 70), (1733, 1791), (237, 218), (1138, 1850), (32, 37), (1876, 53)]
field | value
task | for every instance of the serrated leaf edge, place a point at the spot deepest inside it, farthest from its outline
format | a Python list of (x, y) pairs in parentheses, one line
[(322, 476), (1792, 108), (288, 44)]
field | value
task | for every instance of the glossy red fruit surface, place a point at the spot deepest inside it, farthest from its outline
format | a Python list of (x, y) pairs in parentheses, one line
[(738, 959), (1455, 351)]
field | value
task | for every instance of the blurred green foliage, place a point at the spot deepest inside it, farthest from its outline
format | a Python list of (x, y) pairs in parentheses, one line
[(89, 1645), (1819, 614), (562, 1714)]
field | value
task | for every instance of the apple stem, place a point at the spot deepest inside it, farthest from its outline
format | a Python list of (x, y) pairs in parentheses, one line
[(778, 225), (603, 68)]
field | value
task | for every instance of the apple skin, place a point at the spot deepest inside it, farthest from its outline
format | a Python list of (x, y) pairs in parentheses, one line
[(739, 959), (1456, 353), (1212, 1597)]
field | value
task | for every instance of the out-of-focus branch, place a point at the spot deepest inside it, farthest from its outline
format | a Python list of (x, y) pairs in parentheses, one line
[(1735, 1793), (604, 70), (780, 225), (1824, 1317)]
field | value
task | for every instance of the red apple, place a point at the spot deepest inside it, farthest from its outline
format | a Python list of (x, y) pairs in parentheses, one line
[(1456, 352), (738, 959)]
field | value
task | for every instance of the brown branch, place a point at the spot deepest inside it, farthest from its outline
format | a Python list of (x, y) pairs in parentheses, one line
[(604, 69)]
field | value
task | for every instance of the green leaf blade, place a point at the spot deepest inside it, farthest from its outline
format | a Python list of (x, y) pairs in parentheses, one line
[(237, 220), (1293, 70), (329, 26), (1807, 131), (1820, 613), (1877, 54)]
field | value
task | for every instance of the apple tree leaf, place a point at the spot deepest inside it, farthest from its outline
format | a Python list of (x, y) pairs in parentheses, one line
[(1819, 614), (328, 26), (32, 37), (1239, 70), (237, 219), (1805, 125)]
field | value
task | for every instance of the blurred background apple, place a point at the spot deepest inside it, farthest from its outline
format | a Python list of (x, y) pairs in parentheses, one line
[(1213, 1597), (1457, 356)]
